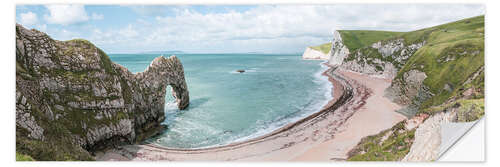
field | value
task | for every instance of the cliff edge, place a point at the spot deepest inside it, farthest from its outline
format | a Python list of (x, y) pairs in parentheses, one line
[(71, 100)]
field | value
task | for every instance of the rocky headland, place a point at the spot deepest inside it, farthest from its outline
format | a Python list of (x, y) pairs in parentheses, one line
[(74, 102), (71, 100)]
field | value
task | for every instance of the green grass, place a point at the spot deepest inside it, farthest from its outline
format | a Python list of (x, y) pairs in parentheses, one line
[(466, 28), (461, 43), (23, 157), (355, 39), (325, 48), (467, 109), (470, 110), (87, 46), (453, 53), (394, 148)]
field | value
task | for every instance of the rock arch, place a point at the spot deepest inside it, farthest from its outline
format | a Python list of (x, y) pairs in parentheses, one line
[(166, 71)]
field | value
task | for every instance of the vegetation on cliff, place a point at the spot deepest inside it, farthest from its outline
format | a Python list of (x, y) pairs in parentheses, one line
[(355, 39), (71, 100), (451, 64), (389, 145), (23, 157), (324, 48), (453, 53)]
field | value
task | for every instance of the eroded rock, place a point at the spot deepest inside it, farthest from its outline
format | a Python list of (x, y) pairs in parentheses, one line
[(339, 51), (383, 58), (71, 90)]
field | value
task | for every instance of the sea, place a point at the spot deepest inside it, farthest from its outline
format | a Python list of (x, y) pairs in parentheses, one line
[(227, 106)]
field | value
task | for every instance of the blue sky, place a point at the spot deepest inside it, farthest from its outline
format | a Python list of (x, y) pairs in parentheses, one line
[(228, 29)]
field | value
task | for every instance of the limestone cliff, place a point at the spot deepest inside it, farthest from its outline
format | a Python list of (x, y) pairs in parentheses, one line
[(383, 58), (312, 54), (338, 51), (72, 100)]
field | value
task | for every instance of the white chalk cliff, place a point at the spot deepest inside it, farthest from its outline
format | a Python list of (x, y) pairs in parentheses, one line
[(338, 51), (312, 54)]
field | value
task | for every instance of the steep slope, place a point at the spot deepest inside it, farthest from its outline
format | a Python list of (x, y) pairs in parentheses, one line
[(354, 39), (438, 74), (352, 48), (453, 54), (72, 100)]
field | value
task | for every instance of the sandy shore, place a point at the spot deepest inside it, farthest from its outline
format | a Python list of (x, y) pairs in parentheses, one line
[(376, 115), (358, 109)]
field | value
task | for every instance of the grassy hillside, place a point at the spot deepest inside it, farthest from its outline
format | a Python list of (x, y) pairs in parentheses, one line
[(453, 60), (325, 48), (389, 145), (355, 39), (453, 53)]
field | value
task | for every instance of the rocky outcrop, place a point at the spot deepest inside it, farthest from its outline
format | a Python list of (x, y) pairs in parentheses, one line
[(383, 58), (397, 49), (69, 93), (409, 91), (428, 138), (312, 54), (370, 66), (339, 51), (434, 135)]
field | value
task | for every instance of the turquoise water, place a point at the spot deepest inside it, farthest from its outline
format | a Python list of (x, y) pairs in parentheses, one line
[(226, 106)]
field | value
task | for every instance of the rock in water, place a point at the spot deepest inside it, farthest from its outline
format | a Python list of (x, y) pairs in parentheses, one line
[(72, 100)]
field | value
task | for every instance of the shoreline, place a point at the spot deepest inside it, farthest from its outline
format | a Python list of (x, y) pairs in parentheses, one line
[(290, 142), (378, 111), (337, 87)]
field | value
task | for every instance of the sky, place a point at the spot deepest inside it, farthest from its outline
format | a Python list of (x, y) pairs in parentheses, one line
[(228, 28)]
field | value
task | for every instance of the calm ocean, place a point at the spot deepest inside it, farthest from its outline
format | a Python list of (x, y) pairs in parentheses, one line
[(226, 106)]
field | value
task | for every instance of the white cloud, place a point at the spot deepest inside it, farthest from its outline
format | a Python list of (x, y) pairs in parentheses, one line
[(276, 28), (66, 14), (128, 32), (28, 19), (290, 26), (96, 16)]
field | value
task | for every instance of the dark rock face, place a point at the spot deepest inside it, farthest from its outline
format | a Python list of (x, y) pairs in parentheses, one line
[(409, 91), (70, 95)]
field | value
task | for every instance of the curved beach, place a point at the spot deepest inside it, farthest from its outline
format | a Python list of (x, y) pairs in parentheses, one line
[(325, 135)]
